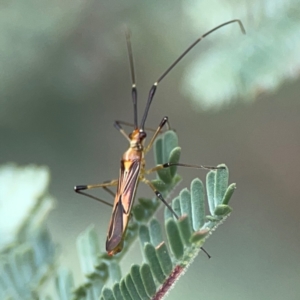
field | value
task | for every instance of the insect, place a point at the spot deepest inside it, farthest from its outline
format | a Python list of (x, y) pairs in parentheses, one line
[(132, 170)]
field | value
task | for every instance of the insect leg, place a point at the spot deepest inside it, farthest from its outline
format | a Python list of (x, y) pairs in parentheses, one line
[(160, 197), (163, 122), (158, 194), (168, 165), (118, 126), (80, 188)]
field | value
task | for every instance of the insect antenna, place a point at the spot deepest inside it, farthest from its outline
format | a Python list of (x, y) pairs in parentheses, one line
[(154, 86), (133, 87)]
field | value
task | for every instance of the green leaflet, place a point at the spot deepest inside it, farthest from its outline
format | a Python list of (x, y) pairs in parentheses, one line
[(166, 260)]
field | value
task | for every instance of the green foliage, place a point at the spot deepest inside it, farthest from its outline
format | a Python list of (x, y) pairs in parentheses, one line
[(164, 266), (240, 66), (166, 150), (28, 260), (164, 260), (64, 284)]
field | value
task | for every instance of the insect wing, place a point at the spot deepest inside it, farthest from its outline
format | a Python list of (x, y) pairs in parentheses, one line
[(129, 174)]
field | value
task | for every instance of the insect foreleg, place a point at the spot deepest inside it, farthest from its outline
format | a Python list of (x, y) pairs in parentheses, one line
[(118, 126), (164, 121)]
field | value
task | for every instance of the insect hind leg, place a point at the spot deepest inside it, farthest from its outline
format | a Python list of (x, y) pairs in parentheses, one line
[(160, 197), (168, 165)]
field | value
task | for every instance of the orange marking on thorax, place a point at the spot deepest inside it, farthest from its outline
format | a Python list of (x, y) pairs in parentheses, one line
[(127, 164)]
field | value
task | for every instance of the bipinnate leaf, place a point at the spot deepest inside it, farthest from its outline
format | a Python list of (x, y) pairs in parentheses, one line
[(131, 287), (198, 203), (185, 229), (153, 262), (174, 238), (117, 292), (166, 260), (148, 279), (88, 249), (155, 232), (231, 188), (107, 294), (166, 150), (64, 284), (27, 251), (137, 279)]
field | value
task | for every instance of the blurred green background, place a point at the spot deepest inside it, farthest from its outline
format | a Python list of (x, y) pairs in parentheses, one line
[(64, 79)]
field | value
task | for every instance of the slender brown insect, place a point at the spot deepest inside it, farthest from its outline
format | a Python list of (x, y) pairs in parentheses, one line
[(132, 169)]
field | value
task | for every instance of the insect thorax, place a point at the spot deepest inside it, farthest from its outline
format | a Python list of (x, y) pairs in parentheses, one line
[(137, 138)]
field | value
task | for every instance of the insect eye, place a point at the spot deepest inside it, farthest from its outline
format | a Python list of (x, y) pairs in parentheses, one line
[(143, 134)]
